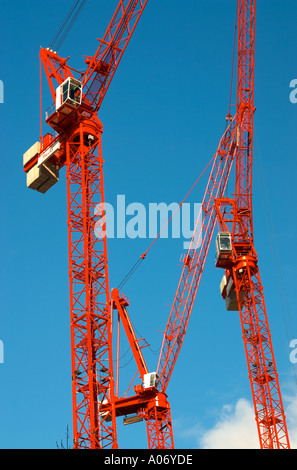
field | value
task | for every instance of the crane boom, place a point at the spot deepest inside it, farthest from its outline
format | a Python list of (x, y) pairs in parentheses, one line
[(120, 304), (196, 256), (102, 66)]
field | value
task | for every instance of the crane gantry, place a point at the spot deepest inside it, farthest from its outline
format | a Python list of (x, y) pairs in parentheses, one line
[(76, 144)]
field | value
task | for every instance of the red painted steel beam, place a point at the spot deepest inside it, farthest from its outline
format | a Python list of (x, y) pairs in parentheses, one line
[(120, 303)]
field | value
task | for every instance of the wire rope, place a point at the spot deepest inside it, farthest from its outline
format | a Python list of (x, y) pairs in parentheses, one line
[(142, 257), (68, 22)]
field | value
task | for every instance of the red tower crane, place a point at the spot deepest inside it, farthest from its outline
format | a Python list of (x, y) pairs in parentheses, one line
[(77, 98), (239, 259), (77, 144), (241, 285)]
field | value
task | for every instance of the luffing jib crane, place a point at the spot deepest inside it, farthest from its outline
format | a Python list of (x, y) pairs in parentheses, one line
[(96, 405)]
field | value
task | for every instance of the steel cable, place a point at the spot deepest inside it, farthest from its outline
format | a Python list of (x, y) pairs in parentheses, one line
[(68, 22), (142, 257)]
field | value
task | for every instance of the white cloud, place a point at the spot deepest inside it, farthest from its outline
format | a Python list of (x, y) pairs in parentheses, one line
[(291, 418), (235, 426), (236, 429)]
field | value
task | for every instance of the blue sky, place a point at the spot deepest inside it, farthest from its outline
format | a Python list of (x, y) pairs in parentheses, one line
[(163, 116)]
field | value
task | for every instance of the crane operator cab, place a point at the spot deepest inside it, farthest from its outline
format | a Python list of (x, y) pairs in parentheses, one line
[(69, 95), (223, 249), (224, 260)]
